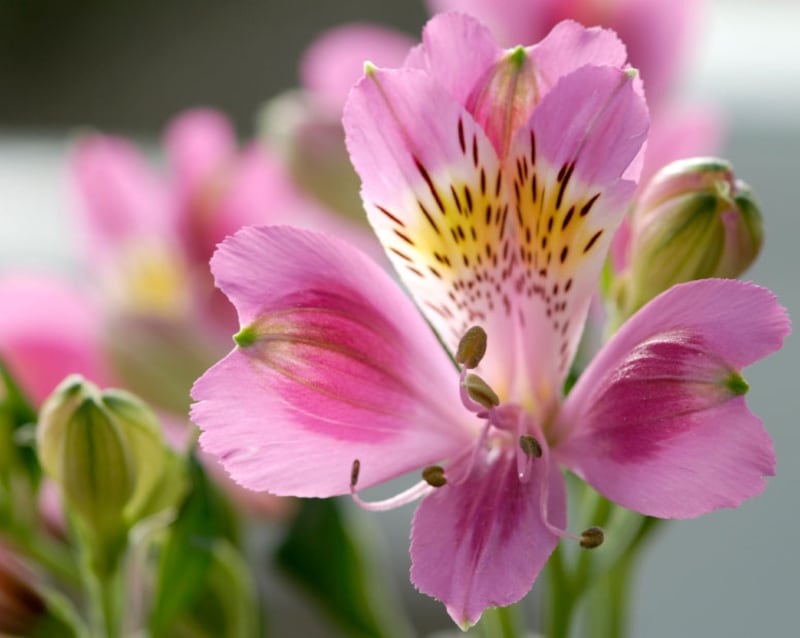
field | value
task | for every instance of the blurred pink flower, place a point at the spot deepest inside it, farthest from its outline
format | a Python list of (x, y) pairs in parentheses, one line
[(49, 329)]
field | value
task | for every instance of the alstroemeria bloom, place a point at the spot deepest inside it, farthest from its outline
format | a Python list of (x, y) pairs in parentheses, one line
[(495, 180)]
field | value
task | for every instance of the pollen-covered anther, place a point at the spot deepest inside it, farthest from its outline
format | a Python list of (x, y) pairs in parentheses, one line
[(472, 347), (592, 537), (479, 391), (434, 476), (530, 446), (354, 472)]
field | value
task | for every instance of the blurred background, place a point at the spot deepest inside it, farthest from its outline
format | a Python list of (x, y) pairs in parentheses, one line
[(127, 68)]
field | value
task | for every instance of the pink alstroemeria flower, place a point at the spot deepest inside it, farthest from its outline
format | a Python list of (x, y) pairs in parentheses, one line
[(495, 180)]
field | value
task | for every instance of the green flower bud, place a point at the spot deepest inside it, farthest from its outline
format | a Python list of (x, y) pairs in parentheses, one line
[(105, 451), (693, 220)]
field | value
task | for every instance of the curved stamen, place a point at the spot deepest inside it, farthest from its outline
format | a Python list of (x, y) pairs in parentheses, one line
[(413, 493), (589, 538)]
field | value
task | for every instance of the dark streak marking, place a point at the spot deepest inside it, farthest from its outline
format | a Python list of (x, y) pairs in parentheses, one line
[(390, 216), (404, 237), (400, 254), (568, 218), (429, 218), (566, 177), (424, 172), (588, 206), (456, 199), (594, 238), (461, 141)]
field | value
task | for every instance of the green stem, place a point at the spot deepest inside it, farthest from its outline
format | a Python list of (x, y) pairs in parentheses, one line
[(502, 622), (560, 601)]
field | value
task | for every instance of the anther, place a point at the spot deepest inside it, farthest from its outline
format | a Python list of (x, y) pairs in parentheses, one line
[(354, 471), (479, 391), (530, 446), (434, 476), (592, 537), (472, 347)]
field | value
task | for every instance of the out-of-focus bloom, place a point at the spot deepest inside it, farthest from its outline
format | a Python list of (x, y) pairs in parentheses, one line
[(495, 180), (656, 33), (150, 236), (305, 125), (48, 329), (693, 220)]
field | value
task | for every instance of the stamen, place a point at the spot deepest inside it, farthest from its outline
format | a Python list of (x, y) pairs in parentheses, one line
[(472, 347), (434, 476), (592, 537), (589, 538), (413, 493), (479, 391), (530, 446)]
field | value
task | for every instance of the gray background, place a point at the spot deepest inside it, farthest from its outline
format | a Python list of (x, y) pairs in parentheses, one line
[(130, 67)]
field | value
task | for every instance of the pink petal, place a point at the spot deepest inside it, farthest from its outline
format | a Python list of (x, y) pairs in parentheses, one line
[(199, 143), (513, 22), (457, 51), (657, 422), (569, 46), (335, 61), (48, 330), (121, 198), (569, 198), (656, 32), (336, 365), (434, 192), (481, 543)]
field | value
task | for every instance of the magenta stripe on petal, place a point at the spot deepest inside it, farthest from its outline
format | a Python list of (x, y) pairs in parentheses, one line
[(334, 364), (657, 422), (482, 542)]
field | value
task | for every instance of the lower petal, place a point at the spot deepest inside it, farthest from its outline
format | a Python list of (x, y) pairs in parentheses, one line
[(658, 422), (482, 542)]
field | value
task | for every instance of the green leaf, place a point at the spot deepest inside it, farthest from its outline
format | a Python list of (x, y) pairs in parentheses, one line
[(186, 558), (326, 553), (17, 415)]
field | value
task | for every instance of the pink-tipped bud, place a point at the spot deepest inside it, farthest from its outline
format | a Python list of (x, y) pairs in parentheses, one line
[(506, 97), (694, 220)]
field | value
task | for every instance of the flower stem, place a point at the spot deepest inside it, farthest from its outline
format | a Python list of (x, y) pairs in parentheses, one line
[(560, 599), (502, 622)]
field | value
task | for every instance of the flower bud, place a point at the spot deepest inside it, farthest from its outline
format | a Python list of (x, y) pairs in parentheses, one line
[(693, 220), (104, 450), (506, 97)]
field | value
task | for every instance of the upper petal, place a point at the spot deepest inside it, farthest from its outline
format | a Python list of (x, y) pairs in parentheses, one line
[(657, 422), (335, 364), (433, 190), (481, 543), (565, 172), (457, 51)]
